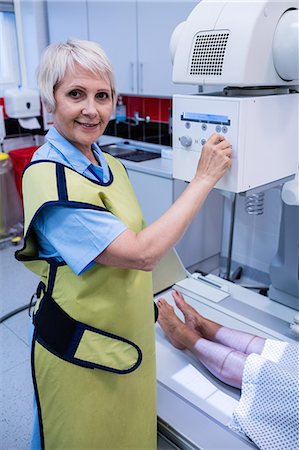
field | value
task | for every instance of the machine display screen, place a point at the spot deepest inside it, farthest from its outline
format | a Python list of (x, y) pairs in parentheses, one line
[(206, 118)]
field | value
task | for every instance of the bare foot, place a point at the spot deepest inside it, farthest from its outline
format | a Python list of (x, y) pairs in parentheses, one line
[(204, 327), (179, 334), (192, 318), (169, 322)]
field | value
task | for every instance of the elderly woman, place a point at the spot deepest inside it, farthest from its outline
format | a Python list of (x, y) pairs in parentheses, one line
[(266, 370), (93, 352)]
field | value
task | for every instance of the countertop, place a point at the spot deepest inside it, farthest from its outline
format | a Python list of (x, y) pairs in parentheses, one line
[(160, 166)]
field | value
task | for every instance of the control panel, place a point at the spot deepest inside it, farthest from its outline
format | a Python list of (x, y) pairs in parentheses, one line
[(208, 123), (264, 144)]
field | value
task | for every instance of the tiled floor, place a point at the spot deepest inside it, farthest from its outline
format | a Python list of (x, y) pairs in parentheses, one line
[(17, 286)]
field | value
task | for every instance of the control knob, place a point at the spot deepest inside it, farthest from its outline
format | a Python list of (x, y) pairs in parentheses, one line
[(186, 141)]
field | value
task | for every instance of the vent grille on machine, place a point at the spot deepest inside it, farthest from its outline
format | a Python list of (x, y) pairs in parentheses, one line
[(208, 53)]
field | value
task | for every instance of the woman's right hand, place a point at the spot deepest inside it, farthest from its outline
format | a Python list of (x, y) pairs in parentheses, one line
[(215, 159)]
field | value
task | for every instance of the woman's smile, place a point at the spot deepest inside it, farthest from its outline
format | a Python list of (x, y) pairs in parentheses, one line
[(88, 125)]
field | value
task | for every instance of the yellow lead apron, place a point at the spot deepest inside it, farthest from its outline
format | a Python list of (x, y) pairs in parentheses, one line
[(93, 356)]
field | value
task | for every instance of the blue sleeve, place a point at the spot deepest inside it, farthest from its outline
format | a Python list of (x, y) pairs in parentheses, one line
[(76, 236)]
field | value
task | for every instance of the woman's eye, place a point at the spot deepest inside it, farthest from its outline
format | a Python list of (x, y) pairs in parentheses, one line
[(75, 94), (102, 95)]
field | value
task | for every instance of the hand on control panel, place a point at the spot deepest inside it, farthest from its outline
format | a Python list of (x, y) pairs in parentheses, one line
[(215, 158)]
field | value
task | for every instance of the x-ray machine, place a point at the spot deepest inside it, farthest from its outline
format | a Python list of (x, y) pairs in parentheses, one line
[(251, 51)]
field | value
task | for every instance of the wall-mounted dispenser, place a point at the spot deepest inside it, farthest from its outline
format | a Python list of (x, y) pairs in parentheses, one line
[(22, 103)]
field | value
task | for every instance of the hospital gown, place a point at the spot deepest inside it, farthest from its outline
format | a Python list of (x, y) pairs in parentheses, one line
[(268, 410)]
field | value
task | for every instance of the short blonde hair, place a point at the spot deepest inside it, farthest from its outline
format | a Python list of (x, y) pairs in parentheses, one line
[(58, 58)]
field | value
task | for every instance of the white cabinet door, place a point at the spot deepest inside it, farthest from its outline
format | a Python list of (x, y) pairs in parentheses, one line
[(67, 19), (156, 21), (135, 35), (112, 23), (154, 193)]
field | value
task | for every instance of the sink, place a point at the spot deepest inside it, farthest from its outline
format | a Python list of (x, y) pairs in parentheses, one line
[(130, 152)]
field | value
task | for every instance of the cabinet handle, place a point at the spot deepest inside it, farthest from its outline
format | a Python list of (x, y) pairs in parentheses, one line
[(132, 76), (141, 76)]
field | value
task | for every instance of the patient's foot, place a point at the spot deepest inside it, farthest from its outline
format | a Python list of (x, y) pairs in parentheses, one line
[(179, 334), (192, 318), (205, 327)]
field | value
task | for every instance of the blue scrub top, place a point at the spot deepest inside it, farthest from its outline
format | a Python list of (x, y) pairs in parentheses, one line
[(74, 235)]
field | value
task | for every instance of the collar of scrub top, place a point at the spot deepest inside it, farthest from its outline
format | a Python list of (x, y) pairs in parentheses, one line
[(76, 160)]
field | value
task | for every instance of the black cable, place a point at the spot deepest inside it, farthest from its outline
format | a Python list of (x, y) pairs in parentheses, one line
[(16, 311)]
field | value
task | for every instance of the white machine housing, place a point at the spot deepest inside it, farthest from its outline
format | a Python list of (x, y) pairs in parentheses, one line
[(263, 132), (252, 49), (243, 43)]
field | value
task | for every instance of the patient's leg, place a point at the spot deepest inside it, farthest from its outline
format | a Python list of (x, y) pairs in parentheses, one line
[(244, 342), (225, 363)]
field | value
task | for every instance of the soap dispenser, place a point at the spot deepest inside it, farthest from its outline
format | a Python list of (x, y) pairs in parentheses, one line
[(120, 112)]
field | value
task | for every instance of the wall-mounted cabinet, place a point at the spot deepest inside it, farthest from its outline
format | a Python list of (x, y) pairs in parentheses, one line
[(67, 19), (134, 33), (113, 25), (156, 21)]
